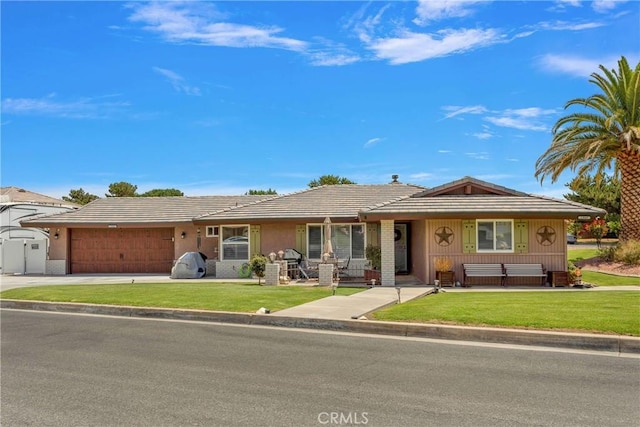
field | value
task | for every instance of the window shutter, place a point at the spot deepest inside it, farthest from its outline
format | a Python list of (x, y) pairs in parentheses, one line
[(469, 236), (254, 231), (372, 234), (301, 239), (521, 237)]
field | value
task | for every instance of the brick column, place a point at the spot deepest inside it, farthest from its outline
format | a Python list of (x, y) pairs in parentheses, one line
[(272, 274), (325, 274), (387, 246)]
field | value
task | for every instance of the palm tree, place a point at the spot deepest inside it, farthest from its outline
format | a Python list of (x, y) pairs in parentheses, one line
[(605, 136)]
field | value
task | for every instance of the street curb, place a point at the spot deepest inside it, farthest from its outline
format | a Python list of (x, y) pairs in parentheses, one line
[(581, 341)]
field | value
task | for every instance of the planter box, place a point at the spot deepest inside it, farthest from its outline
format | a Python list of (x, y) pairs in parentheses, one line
[(446, 278), (371, 274), (558, 278)]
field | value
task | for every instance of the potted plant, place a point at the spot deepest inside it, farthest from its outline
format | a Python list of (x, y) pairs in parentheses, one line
[(444, 271), (374, 255)]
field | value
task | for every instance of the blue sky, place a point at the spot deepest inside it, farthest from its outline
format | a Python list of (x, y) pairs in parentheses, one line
[(222, 97)]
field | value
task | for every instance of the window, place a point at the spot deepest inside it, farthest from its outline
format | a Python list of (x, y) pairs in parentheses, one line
[(495, 235), (235, 242), (212, 231), (347, 240)]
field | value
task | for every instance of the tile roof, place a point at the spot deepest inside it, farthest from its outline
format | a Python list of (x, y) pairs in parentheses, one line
[(334, 201), (485, 205), (142, 210), (17, 195), (477, 184)]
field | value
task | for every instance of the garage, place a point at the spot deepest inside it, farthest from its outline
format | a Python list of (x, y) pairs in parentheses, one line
[(121, 250)]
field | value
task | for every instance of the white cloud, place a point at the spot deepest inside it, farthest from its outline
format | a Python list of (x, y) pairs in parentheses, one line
[(177, 81), (455, 110), (521, 118), (413, 47), (444, 151), (83, 108), (422, 176), (483, 135), (372, 142), (568, 26), (478, 156), (574, 3), (603, 6), (430, 10), (331, 54), (578, 66), (199, 23)]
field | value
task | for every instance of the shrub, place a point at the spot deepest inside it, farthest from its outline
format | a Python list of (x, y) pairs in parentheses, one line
[(374, 254), (258, 265), (608, 253), (628, 252), (574, 272), (442, 263)]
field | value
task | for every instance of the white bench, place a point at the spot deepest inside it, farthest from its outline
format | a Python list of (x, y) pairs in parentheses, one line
[(525, 270), (483, 270)]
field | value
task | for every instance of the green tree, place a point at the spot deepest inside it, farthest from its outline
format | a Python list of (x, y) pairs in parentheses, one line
[(122, 189), (603, 193), (260, 192), (162, 192), (258, 265), (80, 197), (329, 180), (605, 136)]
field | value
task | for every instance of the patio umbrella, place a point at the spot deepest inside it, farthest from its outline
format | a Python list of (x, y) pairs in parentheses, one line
[(328, 248)]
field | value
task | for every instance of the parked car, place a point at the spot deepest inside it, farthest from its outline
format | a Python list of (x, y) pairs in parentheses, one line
[(571, 239)]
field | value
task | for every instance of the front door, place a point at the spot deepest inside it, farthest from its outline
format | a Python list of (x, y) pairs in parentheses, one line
[(401, 242)]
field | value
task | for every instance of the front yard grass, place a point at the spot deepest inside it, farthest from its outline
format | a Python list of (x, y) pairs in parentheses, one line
[(237, 297), (597, 278), (615, 312)]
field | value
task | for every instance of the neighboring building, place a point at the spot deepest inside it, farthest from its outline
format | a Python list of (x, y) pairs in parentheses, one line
[(468, 220), (24, 249)]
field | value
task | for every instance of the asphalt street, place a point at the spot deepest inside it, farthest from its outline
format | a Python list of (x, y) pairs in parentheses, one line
[(68, 369)]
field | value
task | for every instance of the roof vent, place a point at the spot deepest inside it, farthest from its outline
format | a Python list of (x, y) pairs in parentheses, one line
[(394, 178)]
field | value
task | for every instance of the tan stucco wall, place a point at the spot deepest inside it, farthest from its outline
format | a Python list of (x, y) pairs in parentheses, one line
[(58, 247), (419, 250), (277, 237), (553, 257), (194, 241)]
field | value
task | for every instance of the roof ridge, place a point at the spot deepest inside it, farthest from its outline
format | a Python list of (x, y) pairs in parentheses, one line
[(571, 202), (388, 202), (237, 206)]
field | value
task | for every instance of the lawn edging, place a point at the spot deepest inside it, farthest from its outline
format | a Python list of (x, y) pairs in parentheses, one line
[(580, 341)]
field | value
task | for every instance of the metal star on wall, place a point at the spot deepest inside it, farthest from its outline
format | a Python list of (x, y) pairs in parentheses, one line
[(444, 236), (546, 235)]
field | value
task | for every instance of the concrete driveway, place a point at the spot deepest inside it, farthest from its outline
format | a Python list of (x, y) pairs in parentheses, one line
[(21, 281)]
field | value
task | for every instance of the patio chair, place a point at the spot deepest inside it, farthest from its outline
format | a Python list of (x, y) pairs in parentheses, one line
[(343, 269), (307, 270)]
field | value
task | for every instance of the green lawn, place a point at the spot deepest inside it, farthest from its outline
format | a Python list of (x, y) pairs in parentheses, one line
[(615, 312), (238, 297), (581, 254), (599, 279)]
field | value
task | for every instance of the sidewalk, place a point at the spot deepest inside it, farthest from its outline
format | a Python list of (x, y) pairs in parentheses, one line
[(354, 306)]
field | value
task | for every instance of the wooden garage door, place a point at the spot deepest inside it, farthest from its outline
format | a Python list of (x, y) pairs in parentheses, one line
[(107, 250)]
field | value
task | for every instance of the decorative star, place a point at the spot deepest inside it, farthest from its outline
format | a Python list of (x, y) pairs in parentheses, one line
[(546, 234), (443, 234)]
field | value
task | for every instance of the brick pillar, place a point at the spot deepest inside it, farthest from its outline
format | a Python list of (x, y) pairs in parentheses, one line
[(387, 245), (272, 274), (325, 274)]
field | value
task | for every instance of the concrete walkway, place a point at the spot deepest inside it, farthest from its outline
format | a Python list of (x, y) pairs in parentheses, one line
[(340, 307)]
